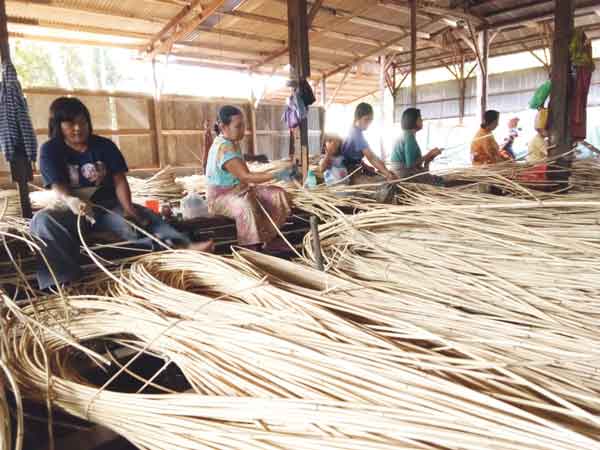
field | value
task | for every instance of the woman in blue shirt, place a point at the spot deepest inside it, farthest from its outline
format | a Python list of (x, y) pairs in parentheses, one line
[(235, 192), (407, 159), (355, 147), (85, 170)]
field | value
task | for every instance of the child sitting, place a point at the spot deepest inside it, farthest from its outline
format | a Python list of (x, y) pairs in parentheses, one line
[(332, 165)]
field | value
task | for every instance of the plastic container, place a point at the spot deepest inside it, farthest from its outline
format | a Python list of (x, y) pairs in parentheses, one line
[(311, 180), (153, 205), (193, 206)]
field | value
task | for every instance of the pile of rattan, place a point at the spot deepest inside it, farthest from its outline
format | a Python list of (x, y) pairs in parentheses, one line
[(458, 320), (10, 203), (161, 186)]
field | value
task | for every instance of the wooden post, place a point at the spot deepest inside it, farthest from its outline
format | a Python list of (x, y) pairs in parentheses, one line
[(316, 243), (413, 52), (483, 46), (300, 63), (253, 147), (382, 69), (157, 121), (323, 111), (20, 167), (462, 91), (559, 101)]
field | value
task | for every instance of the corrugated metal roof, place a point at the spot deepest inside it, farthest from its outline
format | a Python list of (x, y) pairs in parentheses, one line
[(245, 33)]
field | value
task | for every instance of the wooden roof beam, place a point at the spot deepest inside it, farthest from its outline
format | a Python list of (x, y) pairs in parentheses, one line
[(375, 52), (278, 53), (432, 9), (515, 9), (314, 29), (582, 7), (183, 29), (171, 24)]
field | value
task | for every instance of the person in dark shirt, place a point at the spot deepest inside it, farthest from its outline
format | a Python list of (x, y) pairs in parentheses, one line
[(355, 147), (87, 173)]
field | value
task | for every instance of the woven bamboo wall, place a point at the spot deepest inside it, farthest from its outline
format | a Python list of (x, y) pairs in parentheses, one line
[(273, 137), (134, 122)]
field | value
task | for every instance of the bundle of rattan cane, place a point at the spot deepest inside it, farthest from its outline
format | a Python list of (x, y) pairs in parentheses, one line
[(517, 263), (192, 184), (270, 368), (10, 203), (585, 175), (161, 186)]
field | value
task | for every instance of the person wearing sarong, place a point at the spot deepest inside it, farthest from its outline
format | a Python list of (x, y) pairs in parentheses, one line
[(235, 192), (484, 148)]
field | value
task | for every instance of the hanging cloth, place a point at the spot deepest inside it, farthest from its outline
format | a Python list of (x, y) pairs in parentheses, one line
[(16, 129), (583, 67)]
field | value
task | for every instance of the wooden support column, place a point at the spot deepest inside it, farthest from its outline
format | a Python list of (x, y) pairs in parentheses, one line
[(559, 102), (382, 86), (156, 122), (462, 91), (300, 64), (20, 167), (413, 52), (483, 46), (323, 110)]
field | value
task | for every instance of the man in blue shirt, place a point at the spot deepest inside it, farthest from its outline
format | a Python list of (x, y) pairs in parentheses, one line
[(355, 147), (87, 173)]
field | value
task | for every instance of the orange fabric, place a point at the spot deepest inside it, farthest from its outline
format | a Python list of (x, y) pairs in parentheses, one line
[(485, 150)]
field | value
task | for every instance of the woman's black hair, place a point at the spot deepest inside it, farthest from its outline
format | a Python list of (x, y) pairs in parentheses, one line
[(66, 109), (409, 118), (330, 137), (489, 117), (362, 110), (225, 115)]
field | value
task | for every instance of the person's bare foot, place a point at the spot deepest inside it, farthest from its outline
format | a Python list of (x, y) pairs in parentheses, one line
[(206, 246)]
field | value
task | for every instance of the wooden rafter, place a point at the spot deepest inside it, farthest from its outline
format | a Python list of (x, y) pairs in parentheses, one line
[(338, 88), (432, 9), (175, 21), (532, 52), (538, 16), (385, 46), (180, 30), (476, 48), (282, 51)]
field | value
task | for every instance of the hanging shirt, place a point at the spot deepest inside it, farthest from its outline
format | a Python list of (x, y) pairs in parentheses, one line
[(222, 151), (537, 149), (484, 149), (406, 152), (353, 147), (91, 171), (16, 129)]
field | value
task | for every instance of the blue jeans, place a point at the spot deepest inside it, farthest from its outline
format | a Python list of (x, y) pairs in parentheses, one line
[(58, 231)]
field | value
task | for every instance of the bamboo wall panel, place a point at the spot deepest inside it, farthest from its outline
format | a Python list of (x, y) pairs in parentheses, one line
[(132, 113), (273, 136), (137, 150)]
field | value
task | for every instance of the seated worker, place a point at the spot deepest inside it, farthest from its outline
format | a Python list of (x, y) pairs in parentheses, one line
[(407, 159), (235, 192), (356, 147), (506, 151), (84, 170), (332, 165), (538, 149), (484, 148)]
